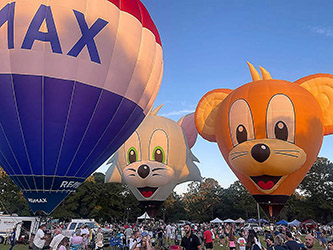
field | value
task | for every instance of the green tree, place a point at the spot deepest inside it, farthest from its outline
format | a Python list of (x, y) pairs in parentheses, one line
[(11, 198), (202, 199)]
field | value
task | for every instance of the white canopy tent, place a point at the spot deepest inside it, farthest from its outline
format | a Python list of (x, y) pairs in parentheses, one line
[(145, 216), (216, 220), (229, 221), (239, 220)]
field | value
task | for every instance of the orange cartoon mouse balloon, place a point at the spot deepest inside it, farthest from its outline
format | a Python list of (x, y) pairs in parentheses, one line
[(269, 131)]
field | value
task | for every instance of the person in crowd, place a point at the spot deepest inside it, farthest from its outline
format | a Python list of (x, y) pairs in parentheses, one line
[(168, 233), (270, 242), (251, 243), (190, 241), (145, 243), (291, 243), (241, 242), (329, 245), (76, 242), (63, 244), (99, 239), (231, 240), (309, 242), (40, 238), (128, 233), (279, 242), (135, 241), (57, 238), (208, 239), (12, 238)]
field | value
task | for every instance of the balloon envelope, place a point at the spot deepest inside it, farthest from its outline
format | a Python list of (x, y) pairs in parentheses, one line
[(155, 159), (76, 78), (269, 132)]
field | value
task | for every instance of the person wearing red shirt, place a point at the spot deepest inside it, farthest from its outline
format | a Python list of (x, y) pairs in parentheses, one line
[(208, 239)]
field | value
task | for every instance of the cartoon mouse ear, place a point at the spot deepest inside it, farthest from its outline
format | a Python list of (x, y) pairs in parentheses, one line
[(206, 112), (188, 125), (321, 87)]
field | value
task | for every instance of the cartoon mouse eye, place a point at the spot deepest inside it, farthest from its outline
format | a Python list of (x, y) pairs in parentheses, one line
[(132, 149), (159, 146), (281, 118), (158, 154), (132, 155), (240, 122)]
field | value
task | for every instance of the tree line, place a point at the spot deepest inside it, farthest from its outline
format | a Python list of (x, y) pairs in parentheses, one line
[(113, 202)]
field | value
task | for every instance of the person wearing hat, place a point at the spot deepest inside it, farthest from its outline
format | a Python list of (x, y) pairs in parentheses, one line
[(190, 241)]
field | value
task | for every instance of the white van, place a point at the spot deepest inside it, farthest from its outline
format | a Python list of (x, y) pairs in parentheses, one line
[(25, 227)]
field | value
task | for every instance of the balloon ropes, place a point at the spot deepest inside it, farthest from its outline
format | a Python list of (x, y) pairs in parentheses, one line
[(269, 131), (77, 78)]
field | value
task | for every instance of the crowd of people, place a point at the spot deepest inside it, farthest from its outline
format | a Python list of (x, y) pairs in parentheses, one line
[(158, 235)]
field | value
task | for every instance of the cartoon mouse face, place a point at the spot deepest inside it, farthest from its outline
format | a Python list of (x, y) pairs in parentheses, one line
[(155, 158), (269, 131), (267, 139)]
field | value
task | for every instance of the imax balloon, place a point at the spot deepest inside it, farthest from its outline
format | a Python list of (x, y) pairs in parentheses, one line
[(155, 159), (269, 131), (77, 77)]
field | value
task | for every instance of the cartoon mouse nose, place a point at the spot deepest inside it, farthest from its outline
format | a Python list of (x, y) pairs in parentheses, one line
[(260, 152), (143, 171)]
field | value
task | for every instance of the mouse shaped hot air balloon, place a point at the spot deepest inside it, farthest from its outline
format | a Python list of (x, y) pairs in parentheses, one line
[(269, 131), (76, 77), (155, 159)]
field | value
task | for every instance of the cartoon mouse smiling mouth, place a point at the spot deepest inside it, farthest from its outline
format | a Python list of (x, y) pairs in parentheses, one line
[(265, 182), (147, 191)]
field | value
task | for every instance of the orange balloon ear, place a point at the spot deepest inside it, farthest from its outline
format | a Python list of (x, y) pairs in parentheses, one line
[(321, 87), (206, 112)]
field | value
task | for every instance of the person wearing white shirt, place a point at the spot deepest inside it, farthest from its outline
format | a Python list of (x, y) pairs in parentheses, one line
[(56, 239), (40, 238)]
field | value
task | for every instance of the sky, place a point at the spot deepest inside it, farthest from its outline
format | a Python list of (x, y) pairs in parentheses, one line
[(206, 45)]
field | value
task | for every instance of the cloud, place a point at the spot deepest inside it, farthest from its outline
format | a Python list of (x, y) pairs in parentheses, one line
[(325, 31), (178, 112)]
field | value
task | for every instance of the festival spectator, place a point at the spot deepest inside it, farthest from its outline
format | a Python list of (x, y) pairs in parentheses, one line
[(12, 238), (76, 241), (208, 239), (241, 242), (40, 238), (279, 242), (99, 239), (231, 240), (329, 245), (291, 243), (57, 238), (190, 241), (63, 243), (309, 242)]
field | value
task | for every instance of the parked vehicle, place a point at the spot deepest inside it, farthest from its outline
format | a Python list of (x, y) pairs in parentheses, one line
[(25, 227), (91, 223)]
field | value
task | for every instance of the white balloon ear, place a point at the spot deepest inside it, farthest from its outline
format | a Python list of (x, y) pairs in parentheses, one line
[(190, 131), (113, 174)]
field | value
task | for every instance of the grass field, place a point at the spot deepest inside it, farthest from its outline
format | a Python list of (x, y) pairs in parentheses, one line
[(216, 246)]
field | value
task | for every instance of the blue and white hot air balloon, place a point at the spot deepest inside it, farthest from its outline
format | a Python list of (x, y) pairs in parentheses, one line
[(76, 79)]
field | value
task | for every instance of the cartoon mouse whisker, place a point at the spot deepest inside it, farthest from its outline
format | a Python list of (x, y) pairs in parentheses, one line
[(291, 155)]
